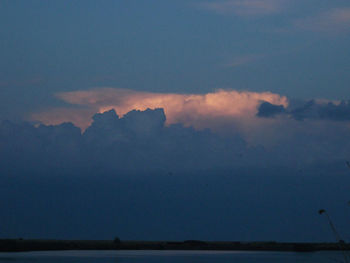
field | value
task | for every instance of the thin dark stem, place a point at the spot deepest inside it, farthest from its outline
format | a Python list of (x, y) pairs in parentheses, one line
[(337, 236)]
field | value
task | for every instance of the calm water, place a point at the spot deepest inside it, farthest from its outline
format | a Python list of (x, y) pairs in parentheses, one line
[(168, 256)]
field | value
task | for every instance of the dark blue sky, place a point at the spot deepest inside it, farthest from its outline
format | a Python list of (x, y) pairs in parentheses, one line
[(294, 48), (246, 137)]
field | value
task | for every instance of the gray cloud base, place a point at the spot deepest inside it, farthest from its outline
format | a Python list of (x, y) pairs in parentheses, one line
[(310, 110), (267, 110), (137, 178), (138, 141)]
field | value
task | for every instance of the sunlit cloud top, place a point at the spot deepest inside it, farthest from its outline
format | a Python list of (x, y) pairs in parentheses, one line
[(197, 110)]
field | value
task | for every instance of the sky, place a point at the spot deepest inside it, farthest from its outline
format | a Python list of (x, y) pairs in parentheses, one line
[(213, 120)]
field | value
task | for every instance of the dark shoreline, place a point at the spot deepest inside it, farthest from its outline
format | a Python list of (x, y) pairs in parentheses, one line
[(22, 245)]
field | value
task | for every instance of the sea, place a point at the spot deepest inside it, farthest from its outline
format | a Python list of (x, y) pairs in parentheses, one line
[(141, 256)]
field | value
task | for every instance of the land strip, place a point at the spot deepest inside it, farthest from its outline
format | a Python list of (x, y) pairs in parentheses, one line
[(18, 245)]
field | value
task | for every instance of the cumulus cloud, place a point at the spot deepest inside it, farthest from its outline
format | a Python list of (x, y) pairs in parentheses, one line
[(313, 109), (216, 110), (81, 117), (323, 110), (267, 109), (245, 7), (133, 170), (138, 141), (264, 118), (141, 141)]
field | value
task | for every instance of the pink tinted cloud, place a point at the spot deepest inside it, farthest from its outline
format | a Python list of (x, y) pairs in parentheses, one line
[(80, 117), (335, 20), (210, 110)]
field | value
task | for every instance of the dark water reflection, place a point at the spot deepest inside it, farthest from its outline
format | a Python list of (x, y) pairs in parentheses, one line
[(168, 256)]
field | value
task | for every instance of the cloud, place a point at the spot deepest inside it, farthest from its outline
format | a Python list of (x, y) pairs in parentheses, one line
[(312, 110), (135, 171), (248, 115), (200, 111), (323, 110), (138, 141), (156, 126), (335, 20), (269, 110), (245, 7), (134, 124), (81, 117)]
